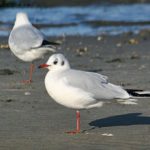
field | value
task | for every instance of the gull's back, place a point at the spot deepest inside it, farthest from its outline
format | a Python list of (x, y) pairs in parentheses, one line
[(25, 38)]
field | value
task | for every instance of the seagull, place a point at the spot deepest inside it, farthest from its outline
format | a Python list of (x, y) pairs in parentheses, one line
[(78, 89), (28, 43)]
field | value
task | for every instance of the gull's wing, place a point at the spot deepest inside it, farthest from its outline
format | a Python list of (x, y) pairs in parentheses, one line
[(25, 37), (95, 84), (28, 37)]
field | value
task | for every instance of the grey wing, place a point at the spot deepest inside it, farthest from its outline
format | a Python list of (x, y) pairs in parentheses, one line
[(26, 37), (96, 84)]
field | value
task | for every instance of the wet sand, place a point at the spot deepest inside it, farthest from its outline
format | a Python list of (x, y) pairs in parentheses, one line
[(31, 120)]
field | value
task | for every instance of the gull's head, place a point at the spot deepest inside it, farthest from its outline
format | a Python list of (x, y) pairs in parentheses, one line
[(21, 19), (56, 62)]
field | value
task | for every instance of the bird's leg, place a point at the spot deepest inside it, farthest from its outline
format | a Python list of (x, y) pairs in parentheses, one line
[(78, 121), (31, 71), (77, 124), (30, 74)]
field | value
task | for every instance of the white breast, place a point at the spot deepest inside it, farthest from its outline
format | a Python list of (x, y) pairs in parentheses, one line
[(66, 95)]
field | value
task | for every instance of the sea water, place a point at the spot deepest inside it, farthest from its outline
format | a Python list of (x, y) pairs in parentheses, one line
[(81, 20)]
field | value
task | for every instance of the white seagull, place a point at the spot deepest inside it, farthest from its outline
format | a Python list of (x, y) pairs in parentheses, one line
[(80, 89), (27, 43)]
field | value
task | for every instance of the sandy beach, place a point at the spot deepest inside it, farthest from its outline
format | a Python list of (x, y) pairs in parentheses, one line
[(31, 120)]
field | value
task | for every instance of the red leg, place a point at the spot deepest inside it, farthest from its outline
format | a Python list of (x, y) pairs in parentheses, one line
[(78, 121), (30, 74), (31, 71), (77, 124)]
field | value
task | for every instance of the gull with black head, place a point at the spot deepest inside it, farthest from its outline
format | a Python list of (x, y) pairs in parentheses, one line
[(78, 89)]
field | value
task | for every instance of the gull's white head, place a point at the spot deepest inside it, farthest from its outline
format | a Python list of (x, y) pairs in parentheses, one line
[(21, 19), (56, 62)]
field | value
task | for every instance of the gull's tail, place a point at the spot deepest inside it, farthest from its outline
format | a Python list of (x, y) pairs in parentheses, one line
[(138, 93)]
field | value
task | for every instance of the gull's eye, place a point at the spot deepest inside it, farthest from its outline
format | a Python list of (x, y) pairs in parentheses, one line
[(55, 62), (62, 63)]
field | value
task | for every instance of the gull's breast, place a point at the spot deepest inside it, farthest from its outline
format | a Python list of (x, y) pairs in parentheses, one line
[(66, 95)]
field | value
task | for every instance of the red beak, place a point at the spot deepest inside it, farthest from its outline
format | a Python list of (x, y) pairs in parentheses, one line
[(43, 66)]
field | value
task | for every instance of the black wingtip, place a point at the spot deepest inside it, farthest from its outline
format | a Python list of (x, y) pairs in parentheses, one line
[(134, 92), (45, 42)]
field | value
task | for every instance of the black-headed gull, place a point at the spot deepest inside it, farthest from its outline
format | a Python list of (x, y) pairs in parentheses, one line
[(27, 43), (80, 89)]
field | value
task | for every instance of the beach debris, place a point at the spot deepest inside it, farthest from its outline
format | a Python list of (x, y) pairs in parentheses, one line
[(7, 100), (119, 44), (59, 41), (142, 67), (87, 133), (4, 46), (114, 60), (107, 134), (6, 72), (99, 38), (135, 56), (133, 41), (119, 65), (81, 51), (27, 93)]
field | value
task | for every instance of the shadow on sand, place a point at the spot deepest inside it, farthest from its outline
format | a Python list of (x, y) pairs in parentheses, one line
[(121, 120)]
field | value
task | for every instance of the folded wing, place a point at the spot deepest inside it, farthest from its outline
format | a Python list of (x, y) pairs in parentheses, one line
[(95, 84)]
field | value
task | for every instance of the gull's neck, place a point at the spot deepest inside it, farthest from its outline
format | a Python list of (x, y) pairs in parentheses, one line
[(21, 20)]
